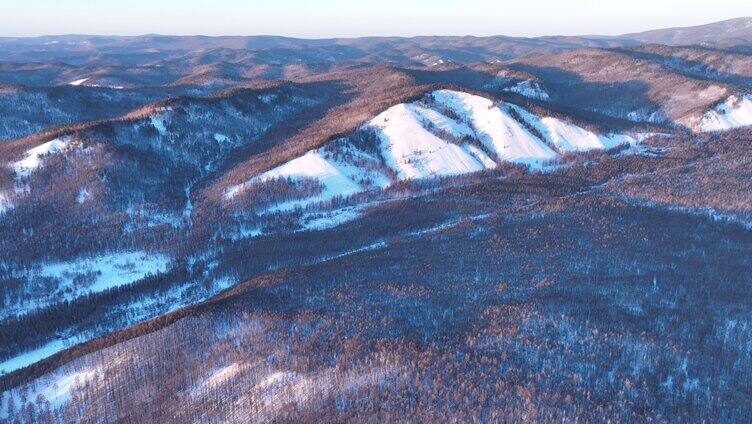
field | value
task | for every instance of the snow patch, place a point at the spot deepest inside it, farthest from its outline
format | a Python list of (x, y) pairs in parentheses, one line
[(34, 156), (112, 270), (275, 378), (82, 196), (268, 98), (59, 391), (159, 124), (479, 154), (315, 165), (5, 203), (78, 81), (56, 388), (331, 219), (342, 173), (440, 121), (222, 375), (734, 112), (657, 116), (245, 233), (529, 89), (84, 276)]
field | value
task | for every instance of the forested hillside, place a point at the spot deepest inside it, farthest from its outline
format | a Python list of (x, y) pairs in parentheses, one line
[(429, 229)]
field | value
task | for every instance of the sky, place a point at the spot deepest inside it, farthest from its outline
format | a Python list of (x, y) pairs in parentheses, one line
[(353, 18)]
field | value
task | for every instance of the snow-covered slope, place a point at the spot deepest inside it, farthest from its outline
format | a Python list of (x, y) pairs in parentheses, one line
[(567, 137), (412, 151), (499, 132), (34, 156), (337, 178), (735, 112), (447, 133), (571, 138)]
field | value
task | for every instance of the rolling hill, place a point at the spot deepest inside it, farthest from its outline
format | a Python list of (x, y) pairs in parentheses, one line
[(203, 229)]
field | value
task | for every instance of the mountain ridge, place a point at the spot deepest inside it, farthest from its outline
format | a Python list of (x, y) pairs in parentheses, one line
[(269, 41), (352, 230)]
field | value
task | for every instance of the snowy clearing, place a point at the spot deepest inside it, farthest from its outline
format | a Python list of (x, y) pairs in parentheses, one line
[(733, 113), (315, 165), (27, 358), (60, 390), (112, 270), (337, 176), (56, 388), (83, 276), (34, 156)]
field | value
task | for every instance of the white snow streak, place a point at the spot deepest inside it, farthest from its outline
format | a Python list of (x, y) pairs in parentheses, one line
[(332, 219), (222, 375), (78, 81)]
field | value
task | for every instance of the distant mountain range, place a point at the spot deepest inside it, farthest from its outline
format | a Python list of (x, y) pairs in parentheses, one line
[(729, 33), (71, 48)]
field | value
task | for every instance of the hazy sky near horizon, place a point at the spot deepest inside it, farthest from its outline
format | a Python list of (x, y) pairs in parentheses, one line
[(351, 18)]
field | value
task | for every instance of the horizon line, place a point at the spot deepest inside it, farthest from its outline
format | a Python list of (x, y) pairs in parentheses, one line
[(319, 38)]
